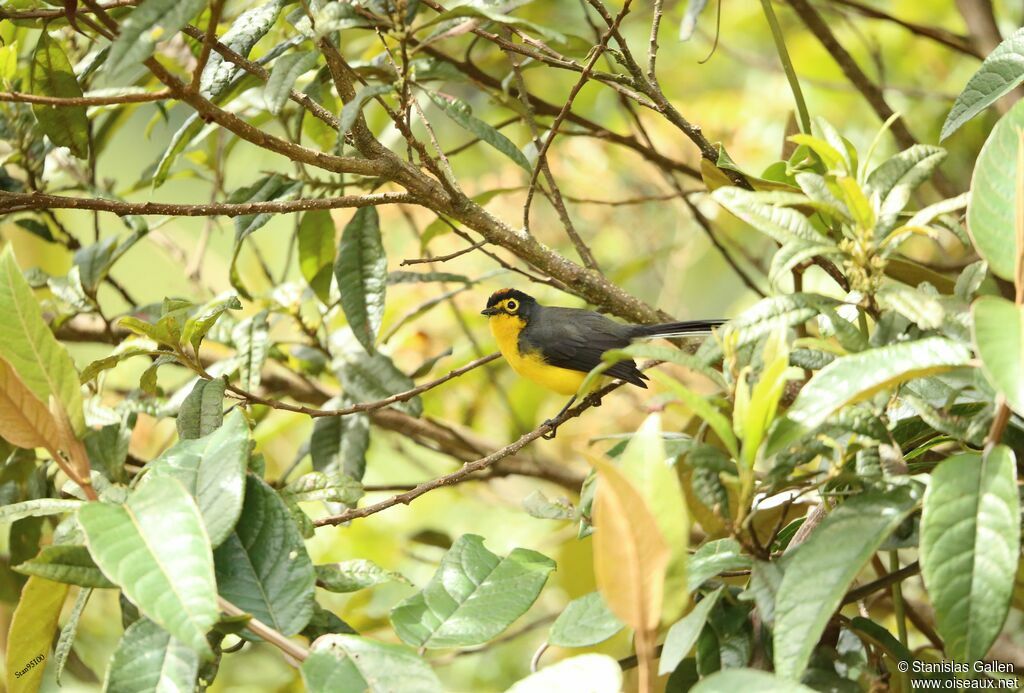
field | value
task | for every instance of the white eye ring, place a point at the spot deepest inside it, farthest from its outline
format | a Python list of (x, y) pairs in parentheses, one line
[(512, 305)]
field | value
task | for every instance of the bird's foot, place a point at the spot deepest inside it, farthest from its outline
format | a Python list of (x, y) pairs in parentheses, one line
[(594, 400), (550, 435)]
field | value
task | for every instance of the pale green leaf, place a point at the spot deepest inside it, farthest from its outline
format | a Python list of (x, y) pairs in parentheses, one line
[(148, 24), (589, 673), (683, 634), (460, 112), (339, 443), (733, 680), (202, 411), (212, 469), (970, 547), (353, 663), (584, 622), (67, 563), (316, 252), (368, 378), (473, 596), (353, 108), (288, 68), (167, 575), (1002, 70), (354, 575), (755, 208), (998, 327), (149, 659), (820, 571), (51, 75), (62, 650), (252, 340), (31, 633), (245, 32), (38, 507)]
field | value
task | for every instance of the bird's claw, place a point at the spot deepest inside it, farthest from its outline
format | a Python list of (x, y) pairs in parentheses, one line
[(550, 435)]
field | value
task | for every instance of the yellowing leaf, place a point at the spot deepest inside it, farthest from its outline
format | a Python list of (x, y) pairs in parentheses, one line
[(24, 420), (630, 552), (31, 634)]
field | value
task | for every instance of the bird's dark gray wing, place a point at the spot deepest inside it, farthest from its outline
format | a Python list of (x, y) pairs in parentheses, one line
[(575, 339)]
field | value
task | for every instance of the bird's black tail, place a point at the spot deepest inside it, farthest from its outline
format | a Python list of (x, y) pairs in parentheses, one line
[(676, 329)]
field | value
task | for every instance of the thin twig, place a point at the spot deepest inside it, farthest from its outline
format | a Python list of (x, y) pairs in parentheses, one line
[(71, 101)]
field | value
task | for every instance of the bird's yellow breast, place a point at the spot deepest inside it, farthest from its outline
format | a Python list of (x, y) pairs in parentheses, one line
[(531, 365)]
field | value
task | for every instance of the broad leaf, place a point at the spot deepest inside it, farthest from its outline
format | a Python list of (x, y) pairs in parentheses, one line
[(288, 68), (821, 570), (266, 189), (149, 659), (31, 634), (757, 209), (51, 75), (998, 327), (24, 420), (991, 210), (29, 347), (197, 326), (62, 650), (316, 252), (715, 557), (67, 563), (332, 487), (970, 547), (892, 183), (263, 567), (361, 270), (683, 634), (859, 376), (630, 554), (352, 663), (167, 575), (350, 112), (212, 470), (584, 622), (202, 411), (473, 596), (594, 673), (149, 23), (1002, 70)]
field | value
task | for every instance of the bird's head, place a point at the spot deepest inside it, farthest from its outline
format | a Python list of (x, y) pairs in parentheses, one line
[(509, 303)]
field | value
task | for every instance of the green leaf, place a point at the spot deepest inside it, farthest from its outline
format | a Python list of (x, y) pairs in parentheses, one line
[(66, 640), (689, 22), (252, 340), (1002, 70), (715, 557), (158, 333), (247, 30), (732, 680), (316, 252), (148, 24), (268, 188), (350, 111), (94, 261), (38, 507), (354, 575), (197, 326), (149, 659), (992, 207), (892, 183), (755, 208), (796, 252), (820, 571), (683, 634), (970, 546), (31, 633), (202, 411), (594, 673), (998, 327), (352, 663), (332, 487), (339, 443), (288, 68), (51, 75), (584, 622), (473, 596), (361, 269), (460, 112), (182, 137), (707, 411), (212, 469), (167, 575), (858, 376), (368, 378), (27, 344), (263, 567), (65, 563)]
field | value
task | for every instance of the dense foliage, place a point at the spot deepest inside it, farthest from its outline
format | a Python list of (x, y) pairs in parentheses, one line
[(204, 439)]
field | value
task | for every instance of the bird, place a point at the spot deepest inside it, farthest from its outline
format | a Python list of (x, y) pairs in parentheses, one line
[(556, 347)]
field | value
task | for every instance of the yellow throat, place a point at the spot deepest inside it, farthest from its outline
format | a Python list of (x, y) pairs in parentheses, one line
[(531, 365)]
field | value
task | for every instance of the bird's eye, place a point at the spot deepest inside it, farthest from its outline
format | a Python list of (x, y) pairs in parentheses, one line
[(512, 305)]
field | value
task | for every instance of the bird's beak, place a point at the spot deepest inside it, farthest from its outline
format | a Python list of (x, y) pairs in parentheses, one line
[(490, 311)]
